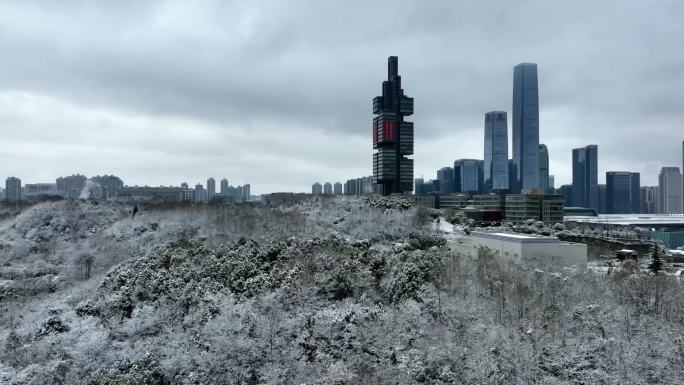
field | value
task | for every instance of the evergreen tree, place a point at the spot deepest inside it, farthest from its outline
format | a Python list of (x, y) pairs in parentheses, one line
[(656, 264)]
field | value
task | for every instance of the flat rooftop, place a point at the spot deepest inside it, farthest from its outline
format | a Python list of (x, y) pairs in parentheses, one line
[(515, 237), (675, 220), (518, 236)]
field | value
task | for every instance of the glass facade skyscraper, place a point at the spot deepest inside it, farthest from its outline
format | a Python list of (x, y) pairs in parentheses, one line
[(544, 168), (445, 176), (525, 127), (471, 175), (670, 189), (623, 192), (496, 151), (585, 177)]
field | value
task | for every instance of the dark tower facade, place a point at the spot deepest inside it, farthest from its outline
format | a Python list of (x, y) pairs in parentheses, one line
[(392, 136), (525, 127)]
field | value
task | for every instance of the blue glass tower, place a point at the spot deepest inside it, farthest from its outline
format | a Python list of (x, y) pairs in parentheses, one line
[(471, 175), (585, 177), (525, 127), (623, 192), (496, 151)]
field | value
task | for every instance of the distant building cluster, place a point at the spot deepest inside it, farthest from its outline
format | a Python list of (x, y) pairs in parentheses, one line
[(356, 186), (527, 171), (622, 193), (112, 187), (226, 194)]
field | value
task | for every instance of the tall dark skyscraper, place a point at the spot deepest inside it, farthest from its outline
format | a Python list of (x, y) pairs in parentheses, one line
[(512, 179), (445, 176), (603, 199), (585, 177), (457, 176), (566, 191), (525, 127), (392, 136), (496, 151), (543, 168), (623, 192)]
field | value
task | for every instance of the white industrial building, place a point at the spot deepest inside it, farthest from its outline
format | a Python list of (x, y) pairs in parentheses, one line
[(526, 248)]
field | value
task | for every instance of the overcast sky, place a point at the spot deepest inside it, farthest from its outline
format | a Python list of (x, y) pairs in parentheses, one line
[(279, 93)]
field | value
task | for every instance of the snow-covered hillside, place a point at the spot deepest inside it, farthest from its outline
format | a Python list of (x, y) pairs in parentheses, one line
[(329, 291)]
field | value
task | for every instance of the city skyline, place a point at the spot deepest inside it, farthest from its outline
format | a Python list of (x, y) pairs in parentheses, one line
[(230, 100)]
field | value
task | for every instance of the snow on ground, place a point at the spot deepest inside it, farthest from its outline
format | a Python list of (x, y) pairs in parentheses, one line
[(347, 290)]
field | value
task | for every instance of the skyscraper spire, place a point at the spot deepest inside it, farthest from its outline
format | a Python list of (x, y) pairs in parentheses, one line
[(392, 136)]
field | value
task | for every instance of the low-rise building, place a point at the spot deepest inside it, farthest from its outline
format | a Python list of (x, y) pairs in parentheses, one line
[(489, 202), (35, 189), (428, 201), (453, 200), (284, 198), (540, 207), (529, 249), (165, 194)]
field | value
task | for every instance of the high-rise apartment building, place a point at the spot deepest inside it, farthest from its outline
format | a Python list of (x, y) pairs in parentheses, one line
[(211, 188), (337, 188), (200, 194), (224, 186), (105, 186), (316, 189), (327, 188), (13, 189), (585, 177), (525, 127), (392, 136), (496, 151), (246, 192), (544, 168), (623, 192), (70, 187), (350, 187), (670, 187)]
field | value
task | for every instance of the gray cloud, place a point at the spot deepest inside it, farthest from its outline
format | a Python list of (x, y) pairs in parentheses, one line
[(279, 93)]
